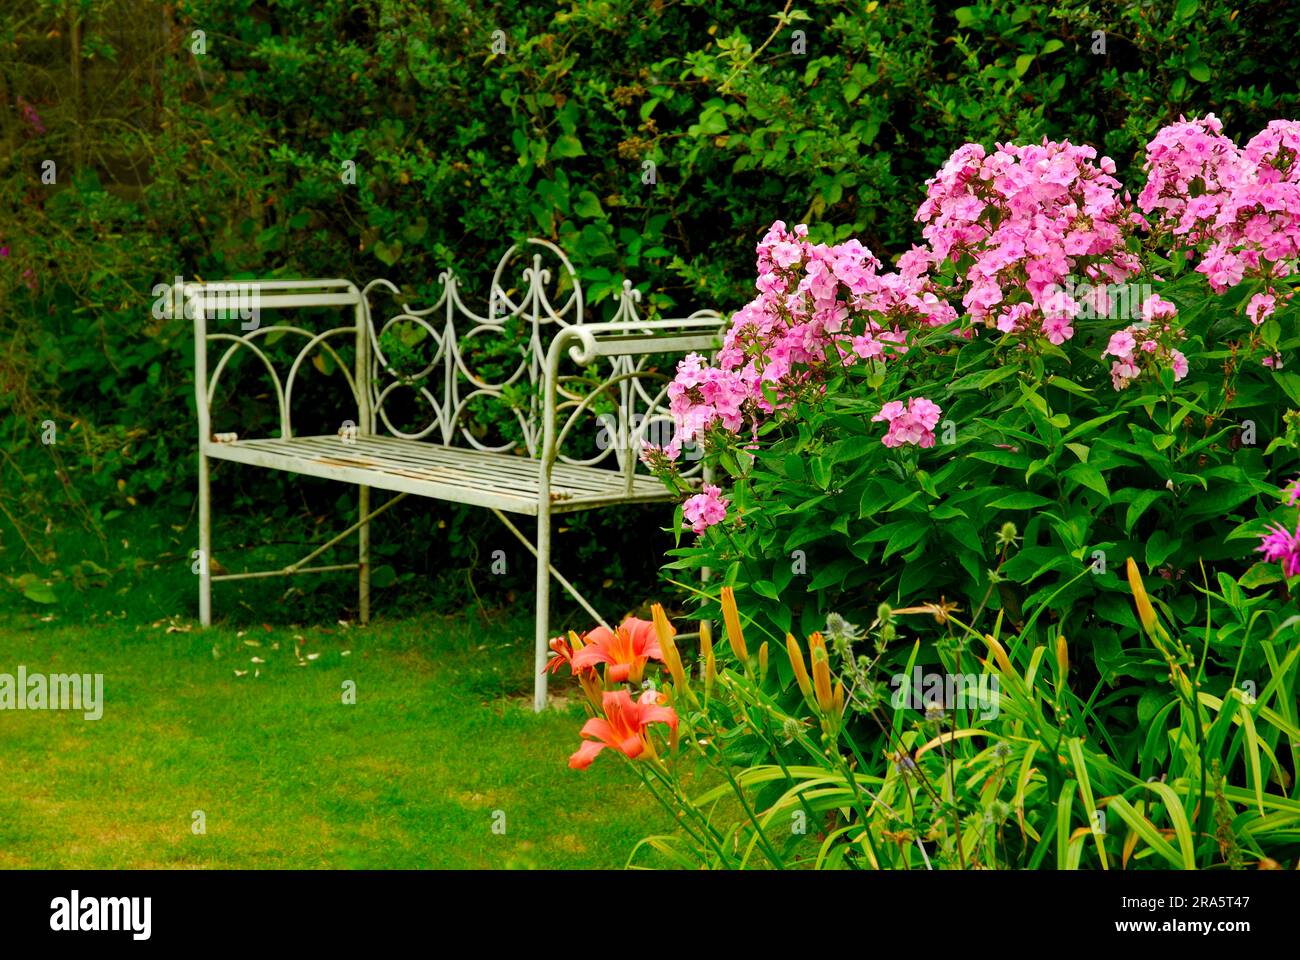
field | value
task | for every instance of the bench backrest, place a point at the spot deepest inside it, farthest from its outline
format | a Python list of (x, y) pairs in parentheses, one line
[(468, 367)]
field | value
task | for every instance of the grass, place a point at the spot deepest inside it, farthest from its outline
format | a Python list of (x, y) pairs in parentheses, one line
[(439, 747)]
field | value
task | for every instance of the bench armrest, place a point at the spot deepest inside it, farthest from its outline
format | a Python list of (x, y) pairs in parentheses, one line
[(247, 298), (584, 343), (701, 331)]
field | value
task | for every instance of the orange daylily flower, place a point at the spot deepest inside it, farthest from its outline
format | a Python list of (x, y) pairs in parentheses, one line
[(625, 650), (623, 726), (563, 651)]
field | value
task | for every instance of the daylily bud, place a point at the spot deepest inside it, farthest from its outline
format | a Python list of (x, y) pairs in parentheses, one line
[(589, 678), (593, 688), (762, 662), (821, 671), (1146, 613), (672, 658), (999, 654), (710, 662), (731, 617), (1062, 654), (798, 666), (1179, 679), (838, 699)]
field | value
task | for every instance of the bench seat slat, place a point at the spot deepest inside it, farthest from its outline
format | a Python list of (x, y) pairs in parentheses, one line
[(461, 459), (501, 480), (450, 463)]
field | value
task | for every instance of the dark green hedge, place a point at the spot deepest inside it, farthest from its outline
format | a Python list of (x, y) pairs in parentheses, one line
[(228, 162)]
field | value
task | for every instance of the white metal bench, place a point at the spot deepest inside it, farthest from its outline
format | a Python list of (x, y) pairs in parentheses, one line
[(548, 395)]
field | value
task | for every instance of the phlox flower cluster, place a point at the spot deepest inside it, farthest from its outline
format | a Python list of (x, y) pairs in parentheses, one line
[(1148, 343), (1242, 206), (912, 422), (1018, 222), (818, 305), (1016, 227), (705, 509)]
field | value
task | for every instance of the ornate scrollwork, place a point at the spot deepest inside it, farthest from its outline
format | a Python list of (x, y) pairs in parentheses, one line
[(283, 388), (622, 398)]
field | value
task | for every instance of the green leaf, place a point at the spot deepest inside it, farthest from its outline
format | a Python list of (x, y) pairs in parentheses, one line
[(388, 253), (414, 231), (905, 538), (885, 531), (1139, 505), (544, 215), (1259, 575), (1075, 748), (1091, 425), (821, 471), (1035, 398), (567, 145), (1289, 382), (1064, 806), (588, 205), (1145, 829), (1252, 752), (1090, 477), (1178, 816), (1020, 501), (1252, 529), (1159, 547), (36, 589), (1023, 63), (998, 374), (383, 576), (712, 121)]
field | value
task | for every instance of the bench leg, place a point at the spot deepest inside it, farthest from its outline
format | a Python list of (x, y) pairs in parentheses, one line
[(205, 544), (363, 557), (543, 607)]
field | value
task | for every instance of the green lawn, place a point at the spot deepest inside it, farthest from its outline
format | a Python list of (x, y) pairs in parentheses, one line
[(440, 738)]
